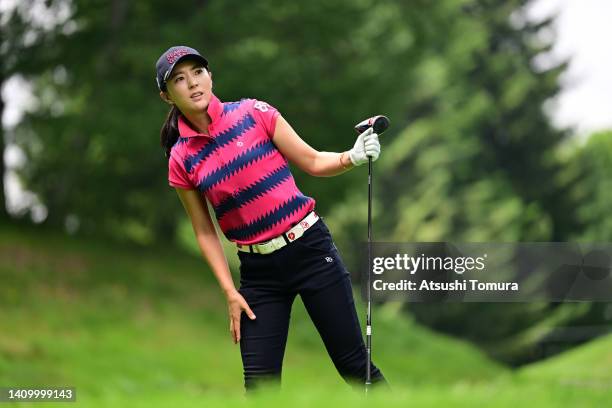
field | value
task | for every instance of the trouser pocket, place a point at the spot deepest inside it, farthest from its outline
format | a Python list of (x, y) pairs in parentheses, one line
[(317, 238)]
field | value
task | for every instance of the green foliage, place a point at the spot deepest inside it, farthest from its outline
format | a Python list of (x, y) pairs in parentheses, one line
[(92, 144), (479, 162), (595, 189)]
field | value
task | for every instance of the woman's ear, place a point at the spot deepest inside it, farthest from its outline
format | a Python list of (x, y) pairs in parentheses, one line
[(165, 98)]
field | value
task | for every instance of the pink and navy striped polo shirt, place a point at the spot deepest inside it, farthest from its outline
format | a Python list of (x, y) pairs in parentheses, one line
[(240, 171)]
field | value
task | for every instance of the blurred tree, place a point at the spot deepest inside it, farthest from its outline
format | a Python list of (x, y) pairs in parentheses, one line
[(595, 191), (479, 162), (593, 162), (3, 211), (92, 145), (28, 29)]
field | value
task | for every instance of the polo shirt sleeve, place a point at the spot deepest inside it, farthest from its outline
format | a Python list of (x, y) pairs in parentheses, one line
[(177, 175), (267, 115)]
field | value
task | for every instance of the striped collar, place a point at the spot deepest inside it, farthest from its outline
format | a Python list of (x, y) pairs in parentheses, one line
[(215, 109)]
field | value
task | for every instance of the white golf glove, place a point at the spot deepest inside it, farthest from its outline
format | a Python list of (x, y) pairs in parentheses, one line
[(366, 145)]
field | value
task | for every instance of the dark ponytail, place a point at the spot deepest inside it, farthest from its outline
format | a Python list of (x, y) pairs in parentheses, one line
[(169, 133)]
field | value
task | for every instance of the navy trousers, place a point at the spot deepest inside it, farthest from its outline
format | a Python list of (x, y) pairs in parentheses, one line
[(311, 267)]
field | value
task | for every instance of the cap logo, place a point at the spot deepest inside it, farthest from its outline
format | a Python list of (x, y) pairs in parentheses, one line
[(176, 54)]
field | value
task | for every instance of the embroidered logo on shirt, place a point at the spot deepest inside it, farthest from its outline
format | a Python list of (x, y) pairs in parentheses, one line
[(261, 106), (329, 259)]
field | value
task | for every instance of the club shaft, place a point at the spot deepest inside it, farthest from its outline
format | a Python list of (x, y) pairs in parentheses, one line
[(369, 284)]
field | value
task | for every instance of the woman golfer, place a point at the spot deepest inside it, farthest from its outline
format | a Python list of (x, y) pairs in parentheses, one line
[(235, 155)]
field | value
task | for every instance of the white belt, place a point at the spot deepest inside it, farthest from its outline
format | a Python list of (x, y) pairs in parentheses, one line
[(283, 239)]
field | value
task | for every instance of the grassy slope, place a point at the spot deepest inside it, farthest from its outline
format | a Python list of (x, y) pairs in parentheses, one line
[(589, 366), (148, 328)]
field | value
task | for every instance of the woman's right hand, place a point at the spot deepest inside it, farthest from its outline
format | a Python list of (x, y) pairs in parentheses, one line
[(366, 145), (236, 304)]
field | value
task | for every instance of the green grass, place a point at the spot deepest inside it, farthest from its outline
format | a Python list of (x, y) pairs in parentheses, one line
[(586, 367), (132, 328)]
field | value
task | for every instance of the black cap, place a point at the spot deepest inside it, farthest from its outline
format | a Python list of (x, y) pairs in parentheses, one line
[(167, 61)]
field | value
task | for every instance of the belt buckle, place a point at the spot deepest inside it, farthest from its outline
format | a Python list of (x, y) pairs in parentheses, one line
[(262, 248), (278, 242)]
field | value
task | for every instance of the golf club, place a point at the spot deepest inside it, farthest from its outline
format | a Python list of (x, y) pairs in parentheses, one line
[(379, 124)]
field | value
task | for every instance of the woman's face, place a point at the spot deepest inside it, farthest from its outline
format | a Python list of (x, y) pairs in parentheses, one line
[(189, 87)]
